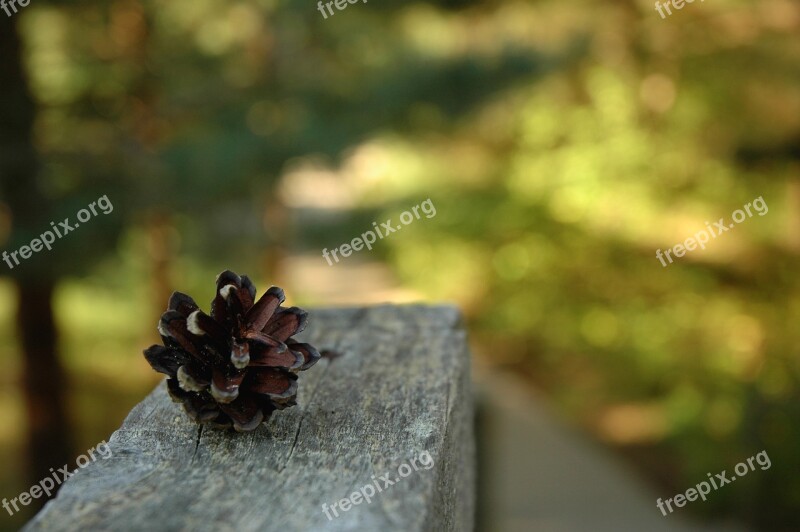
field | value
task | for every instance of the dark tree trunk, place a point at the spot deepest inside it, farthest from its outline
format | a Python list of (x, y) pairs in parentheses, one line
[(43, 378), (162, 253)]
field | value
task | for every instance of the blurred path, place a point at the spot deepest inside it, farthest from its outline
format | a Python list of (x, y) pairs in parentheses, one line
[(537, 476), (349, 283)]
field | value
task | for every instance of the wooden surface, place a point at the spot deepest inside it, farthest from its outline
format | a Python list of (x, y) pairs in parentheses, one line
[(401, 388)]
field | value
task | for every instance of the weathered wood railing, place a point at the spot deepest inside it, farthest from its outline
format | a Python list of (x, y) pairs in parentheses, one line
[(401, 389)]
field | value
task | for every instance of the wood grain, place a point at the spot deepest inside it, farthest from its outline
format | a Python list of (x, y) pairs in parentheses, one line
[(400, 388)]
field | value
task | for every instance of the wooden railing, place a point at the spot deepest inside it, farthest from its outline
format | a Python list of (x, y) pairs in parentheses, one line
[(393, 412)]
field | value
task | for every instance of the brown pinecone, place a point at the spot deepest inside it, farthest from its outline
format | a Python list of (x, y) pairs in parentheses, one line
[(238, 365)]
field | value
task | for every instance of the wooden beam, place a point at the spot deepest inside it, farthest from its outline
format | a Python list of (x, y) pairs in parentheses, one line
[(399, 392)]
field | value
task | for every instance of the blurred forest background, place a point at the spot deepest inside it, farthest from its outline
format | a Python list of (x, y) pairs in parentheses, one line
[(562, 143)]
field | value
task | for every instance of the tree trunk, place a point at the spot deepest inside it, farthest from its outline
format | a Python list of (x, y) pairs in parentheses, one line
[(43, 378), (162, 253)]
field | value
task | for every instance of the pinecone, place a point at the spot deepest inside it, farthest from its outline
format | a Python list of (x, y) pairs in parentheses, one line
[(238, 365)]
